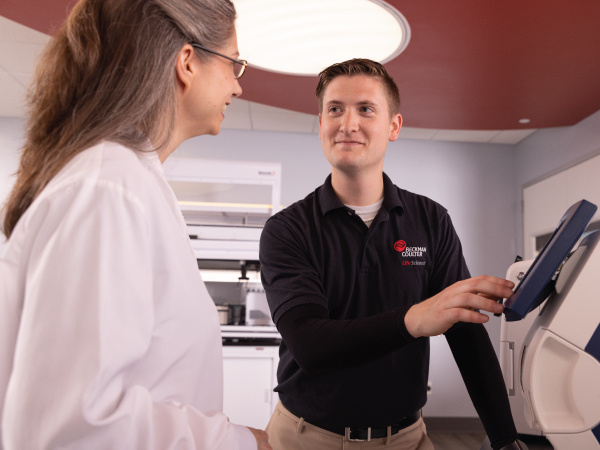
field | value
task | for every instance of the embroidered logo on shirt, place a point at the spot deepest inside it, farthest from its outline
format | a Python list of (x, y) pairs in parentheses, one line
[(410, 252), (399, 246), (414, 251)]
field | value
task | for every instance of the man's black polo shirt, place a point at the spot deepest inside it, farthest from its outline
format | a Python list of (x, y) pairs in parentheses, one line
[(318, 251)]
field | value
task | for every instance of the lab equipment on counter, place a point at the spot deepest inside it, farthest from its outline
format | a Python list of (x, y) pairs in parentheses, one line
[(223, 311), (556, 368), (236, 314), (257, 308)]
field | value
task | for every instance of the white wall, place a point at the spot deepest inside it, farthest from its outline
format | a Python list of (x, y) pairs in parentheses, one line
[(552, 150), (475, 182), (546, 201), (11, 140)]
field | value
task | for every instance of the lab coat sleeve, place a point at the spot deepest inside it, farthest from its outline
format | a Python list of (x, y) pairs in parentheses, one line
[(87, 319)]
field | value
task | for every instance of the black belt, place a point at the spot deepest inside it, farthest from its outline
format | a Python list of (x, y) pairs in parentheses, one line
[(368, 433)]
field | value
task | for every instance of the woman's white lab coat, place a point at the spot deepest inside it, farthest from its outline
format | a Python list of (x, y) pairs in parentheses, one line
[(108, 337)]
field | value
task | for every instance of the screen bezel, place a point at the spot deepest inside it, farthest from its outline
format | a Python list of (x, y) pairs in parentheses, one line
[(537, 282)]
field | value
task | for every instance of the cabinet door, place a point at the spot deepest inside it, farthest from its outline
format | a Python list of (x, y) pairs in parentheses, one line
[(248, 385)]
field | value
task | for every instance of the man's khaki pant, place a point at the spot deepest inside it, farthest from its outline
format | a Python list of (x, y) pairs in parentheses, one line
[(288, 432)]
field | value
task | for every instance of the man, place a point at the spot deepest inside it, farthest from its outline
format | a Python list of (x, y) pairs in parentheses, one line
[(358, 275)]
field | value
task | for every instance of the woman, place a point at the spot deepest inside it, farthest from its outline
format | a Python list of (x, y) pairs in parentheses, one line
[(108, 337)]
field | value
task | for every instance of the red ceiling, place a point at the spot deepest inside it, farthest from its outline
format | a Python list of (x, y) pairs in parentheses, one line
[(470, 64)]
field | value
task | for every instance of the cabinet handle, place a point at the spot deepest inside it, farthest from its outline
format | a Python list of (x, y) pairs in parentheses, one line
[(507, 350)]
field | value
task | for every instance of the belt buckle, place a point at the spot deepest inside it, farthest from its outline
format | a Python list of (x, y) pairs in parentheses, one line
[(348, 438)]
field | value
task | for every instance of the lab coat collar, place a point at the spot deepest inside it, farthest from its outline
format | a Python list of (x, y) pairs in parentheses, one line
[(151, 156)]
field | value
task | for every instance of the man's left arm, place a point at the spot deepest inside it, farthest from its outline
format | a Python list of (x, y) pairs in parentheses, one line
[(480, 370), (471, 346)]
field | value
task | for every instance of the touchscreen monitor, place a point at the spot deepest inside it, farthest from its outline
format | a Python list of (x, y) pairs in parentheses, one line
[(538, 283)]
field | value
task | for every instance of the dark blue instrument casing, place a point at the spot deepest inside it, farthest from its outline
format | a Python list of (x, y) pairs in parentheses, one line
[(538, 283)]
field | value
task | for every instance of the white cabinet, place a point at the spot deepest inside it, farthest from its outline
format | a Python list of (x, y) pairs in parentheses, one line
[(249, 378)]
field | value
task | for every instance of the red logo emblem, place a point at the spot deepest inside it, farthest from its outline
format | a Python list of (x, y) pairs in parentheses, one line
[(399, 246)]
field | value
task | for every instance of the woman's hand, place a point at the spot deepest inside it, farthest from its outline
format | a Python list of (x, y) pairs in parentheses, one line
[(261, 439), (457, 303)]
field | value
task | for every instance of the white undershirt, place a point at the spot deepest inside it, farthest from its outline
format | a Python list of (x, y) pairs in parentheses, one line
[(367, 213)]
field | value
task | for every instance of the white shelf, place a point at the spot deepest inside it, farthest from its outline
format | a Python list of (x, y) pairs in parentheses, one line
[(231, 208), (245, 331)]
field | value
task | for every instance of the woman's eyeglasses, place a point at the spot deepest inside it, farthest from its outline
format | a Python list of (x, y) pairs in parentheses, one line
[(238, 68)]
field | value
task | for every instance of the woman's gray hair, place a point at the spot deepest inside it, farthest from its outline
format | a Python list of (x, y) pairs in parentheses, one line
[(109, 74)]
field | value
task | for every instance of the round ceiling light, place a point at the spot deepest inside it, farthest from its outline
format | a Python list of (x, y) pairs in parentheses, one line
[(302, 37)]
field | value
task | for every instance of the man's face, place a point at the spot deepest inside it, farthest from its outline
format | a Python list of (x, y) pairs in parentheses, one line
[(355, 124)]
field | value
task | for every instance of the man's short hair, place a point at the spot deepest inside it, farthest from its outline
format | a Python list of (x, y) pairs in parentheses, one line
[(360, 66)]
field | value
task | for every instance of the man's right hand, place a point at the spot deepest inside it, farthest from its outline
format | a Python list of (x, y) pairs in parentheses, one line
[(261, 439), (457, 303)]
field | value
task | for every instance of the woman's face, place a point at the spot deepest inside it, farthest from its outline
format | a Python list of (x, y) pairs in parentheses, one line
[(210, 91)]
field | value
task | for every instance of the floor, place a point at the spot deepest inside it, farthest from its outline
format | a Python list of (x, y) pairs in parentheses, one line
[(456, 441), (474, 441)]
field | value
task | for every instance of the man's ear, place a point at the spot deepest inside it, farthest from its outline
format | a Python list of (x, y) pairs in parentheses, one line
[(186, 66), (319, 125), (395, 127)]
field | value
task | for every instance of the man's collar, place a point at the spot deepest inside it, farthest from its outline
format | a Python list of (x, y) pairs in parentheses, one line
[(391, 197), (328, 200)]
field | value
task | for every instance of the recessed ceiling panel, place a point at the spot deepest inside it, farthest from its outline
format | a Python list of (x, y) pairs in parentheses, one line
[(302, 37)]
